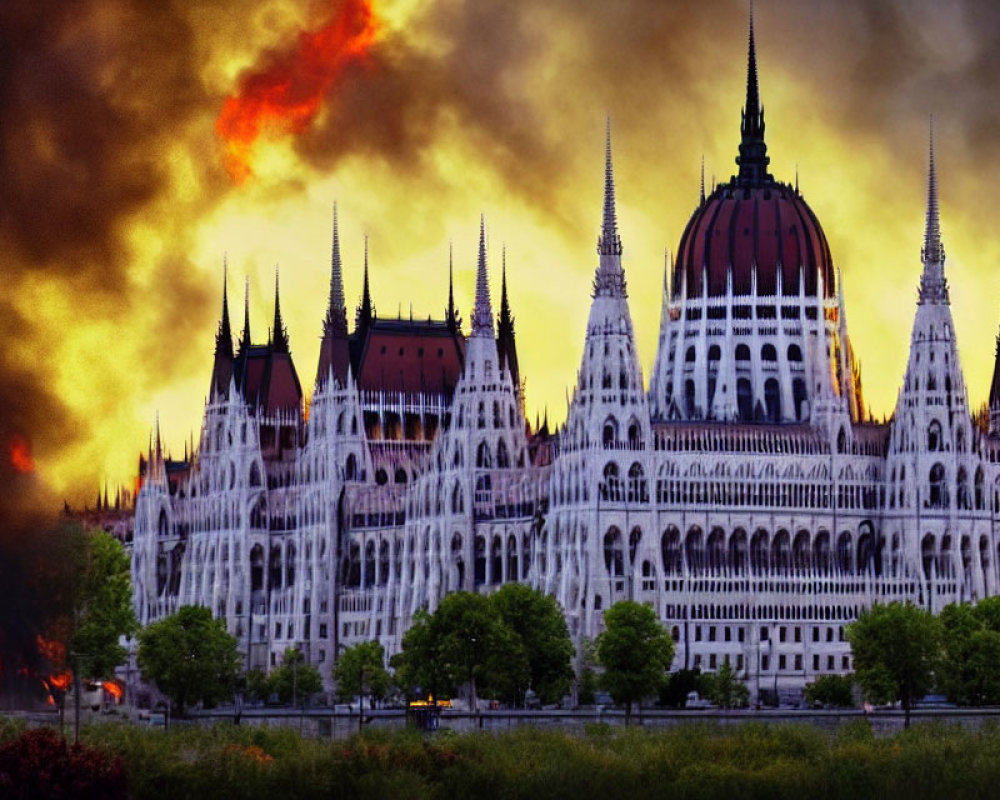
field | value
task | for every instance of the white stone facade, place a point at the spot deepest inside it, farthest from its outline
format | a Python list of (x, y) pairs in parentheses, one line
[(743, 496)]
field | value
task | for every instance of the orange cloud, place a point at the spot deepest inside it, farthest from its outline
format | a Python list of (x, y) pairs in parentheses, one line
[(285, 96)]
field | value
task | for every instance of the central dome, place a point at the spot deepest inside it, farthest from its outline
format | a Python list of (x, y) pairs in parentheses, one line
[(766, 225), (753, 223)]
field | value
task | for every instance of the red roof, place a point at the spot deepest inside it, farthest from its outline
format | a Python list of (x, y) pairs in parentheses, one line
[(767, 225), (268, 379), (412, 357)]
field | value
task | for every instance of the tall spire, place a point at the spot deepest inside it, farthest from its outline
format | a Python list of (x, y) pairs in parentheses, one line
[(279, 336), (701, 198), (610, 280), (933, 286), (506, 344), (336, 313), (365, 314), (245, 336), (753, 158), (609, 244), (222, 369), (482, 314), (224, 336), (451, 313)]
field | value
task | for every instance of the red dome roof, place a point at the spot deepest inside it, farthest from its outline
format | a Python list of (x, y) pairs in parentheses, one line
[(766, 224)]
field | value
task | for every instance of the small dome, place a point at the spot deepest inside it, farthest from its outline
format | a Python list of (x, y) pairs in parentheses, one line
[(766, 224)]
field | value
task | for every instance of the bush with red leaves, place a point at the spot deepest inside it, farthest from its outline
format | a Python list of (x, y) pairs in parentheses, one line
[(39, 764)]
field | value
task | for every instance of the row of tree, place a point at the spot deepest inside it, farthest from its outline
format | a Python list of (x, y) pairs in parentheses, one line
[(512, 645), (902, 652)]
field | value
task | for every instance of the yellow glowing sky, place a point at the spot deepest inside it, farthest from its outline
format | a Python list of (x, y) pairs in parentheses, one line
[(499, 108)]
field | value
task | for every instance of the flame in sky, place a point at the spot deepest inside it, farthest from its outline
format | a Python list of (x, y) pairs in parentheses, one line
[(286, 96), (20, 454)]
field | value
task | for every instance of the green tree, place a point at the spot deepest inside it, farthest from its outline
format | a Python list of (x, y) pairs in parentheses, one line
[(190, 657), (679, 685), (102, 608), (970, 662), (541, 638), (295, 680), (724, 688), (635, 650), (831, 690), (360, 670), (587, 683), (418, 666), (469, 635), (896, 650)]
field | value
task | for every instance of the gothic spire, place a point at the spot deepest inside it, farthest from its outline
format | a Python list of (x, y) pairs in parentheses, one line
[(451, 313), (279, 336), (222, 368), (365, 312), (933, 286), (336, 313), (482, 314), (245, 336), (224, 336), (609, 280), (506, 343), (609, 243), (753, 158)]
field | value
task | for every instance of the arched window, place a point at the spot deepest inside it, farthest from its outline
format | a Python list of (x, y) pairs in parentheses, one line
[(799, 397), (759, 551), (714, 353), (781, 555), (351, 468), (614, 560), (928, 556), (801, 552), (693, 550), (381, 478), (845, 553), (794, 352), (938, 495), (742, 352), (689, 355), (479, 573), (744, 397), (609, 436), (716, 549), (934, 439), (483, 458), (636, 484), (634, 537), (503, 457), (738, 551), (670, 547), (772, 399), (611, 488), (768, 353), (689, 401)]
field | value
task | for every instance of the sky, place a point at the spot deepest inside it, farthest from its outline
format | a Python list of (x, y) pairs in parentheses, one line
[(145, 142)]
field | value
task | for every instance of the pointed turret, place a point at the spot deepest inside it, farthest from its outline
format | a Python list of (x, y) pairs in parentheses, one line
[(506, 345), (222, 369), (336, 312), (610, 280), (753, 158), (366, 312), (279, 336), (451, 315), (334, 350), (995, 393), (482, 314), (933, 285), (245, 335)]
